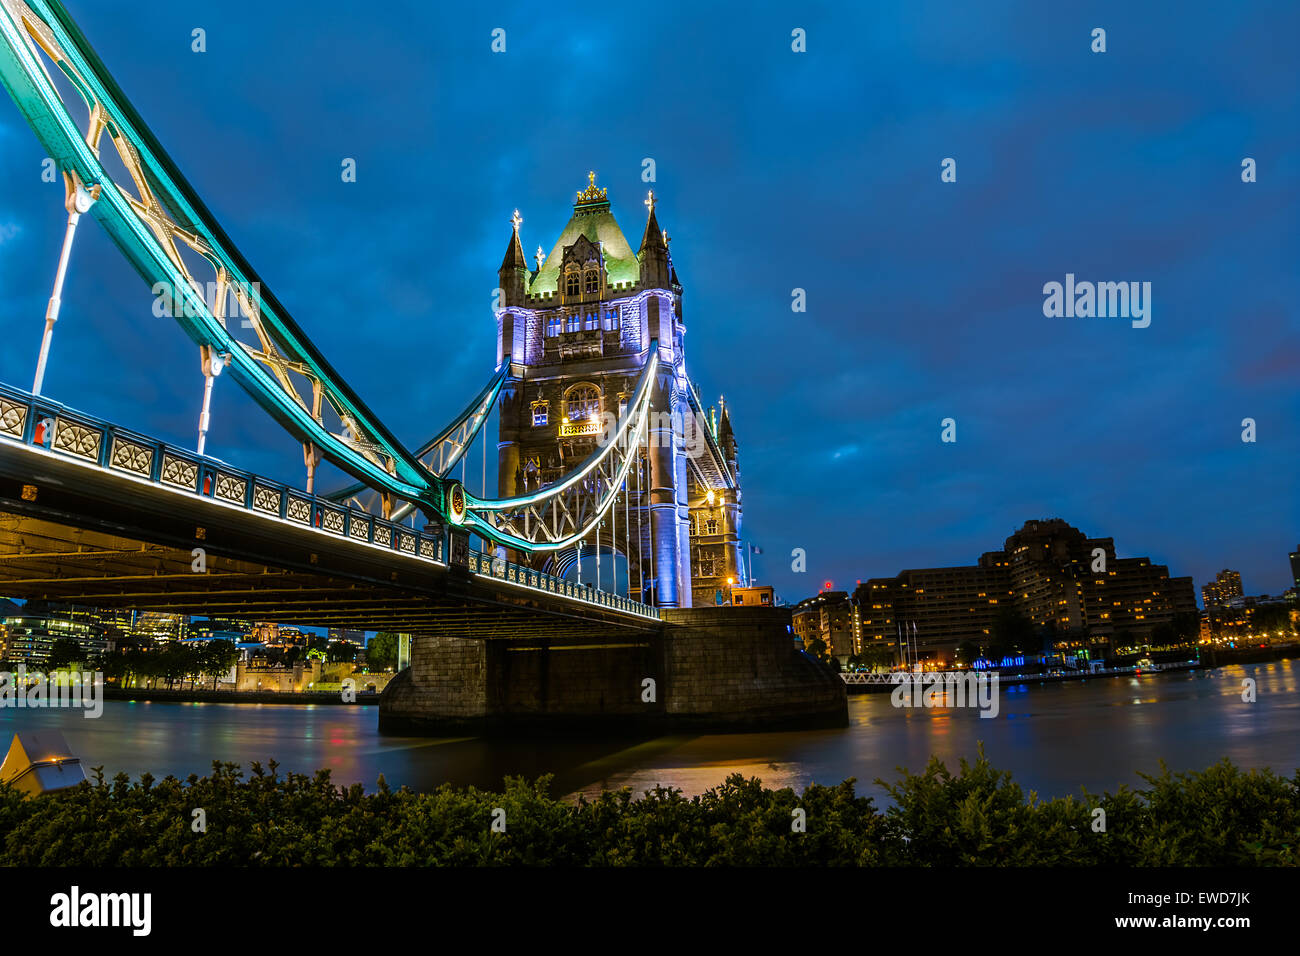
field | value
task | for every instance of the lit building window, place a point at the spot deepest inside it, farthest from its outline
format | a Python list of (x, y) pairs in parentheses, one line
[(591, 281), (539, 413), (571, 283), (582, 402)]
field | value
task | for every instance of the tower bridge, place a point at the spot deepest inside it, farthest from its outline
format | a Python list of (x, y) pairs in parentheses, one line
[(604, 451)]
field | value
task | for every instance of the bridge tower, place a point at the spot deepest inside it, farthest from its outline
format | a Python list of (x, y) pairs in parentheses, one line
[(575, 325)]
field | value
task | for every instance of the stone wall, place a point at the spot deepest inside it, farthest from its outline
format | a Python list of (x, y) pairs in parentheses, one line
[(714, 669), (737, 667)]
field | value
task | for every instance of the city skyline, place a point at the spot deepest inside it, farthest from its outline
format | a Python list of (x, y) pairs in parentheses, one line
[(924, 298)]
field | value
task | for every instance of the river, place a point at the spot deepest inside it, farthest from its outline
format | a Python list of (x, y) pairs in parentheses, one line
[(1054, 738)]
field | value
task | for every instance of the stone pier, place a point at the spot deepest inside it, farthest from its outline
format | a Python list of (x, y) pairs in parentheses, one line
[(707, 669)]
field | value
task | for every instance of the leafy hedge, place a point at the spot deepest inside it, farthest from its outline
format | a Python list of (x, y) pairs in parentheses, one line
[(977, 817)]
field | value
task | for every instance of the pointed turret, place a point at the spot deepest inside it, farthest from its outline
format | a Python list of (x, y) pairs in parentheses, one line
[(726, 437), (513, 274), (653, 254)]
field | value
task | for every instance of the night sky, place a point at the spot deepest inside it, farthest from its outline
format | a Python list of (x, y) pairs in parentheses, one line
[(776, 170)]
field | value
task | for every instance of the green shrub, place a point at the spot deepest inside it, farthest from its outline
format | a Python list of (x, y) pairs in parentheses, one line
[(976, 817)]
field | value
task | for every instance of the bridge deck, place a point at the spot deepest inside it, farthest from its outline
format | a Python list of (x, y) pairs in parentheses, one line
[(111, 518)]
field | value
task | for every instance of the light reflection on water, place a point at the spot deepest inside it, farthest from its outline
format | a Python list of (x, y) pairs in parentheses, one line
[(1054, 738)]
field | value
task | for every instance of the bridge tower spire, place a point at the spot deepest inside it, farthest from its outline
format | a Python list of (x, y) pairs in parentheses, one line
[(513, 273)]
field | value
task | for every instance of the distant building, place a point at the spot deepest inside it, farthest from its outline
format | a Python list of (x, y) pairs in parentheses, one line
[(827, 617), (1073, 589), (341, 634), (27, 638), (1295, 569), (1223, 589), (213, 628), (1252, 616), (757, 596)]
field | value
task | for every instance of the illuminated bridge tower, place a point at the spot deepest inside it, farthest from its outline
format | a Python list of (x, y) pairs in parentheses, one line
[(576, 326)]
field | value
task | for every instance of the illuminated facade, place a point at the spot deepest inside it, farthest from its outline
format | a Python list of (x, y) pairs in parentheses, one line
[(576, 325), (1222, 590), (1065, 583), (827, 617)]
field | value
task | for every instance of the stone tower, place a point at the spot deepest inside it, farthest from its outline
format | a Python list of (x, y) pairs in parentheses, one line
[(575, 327)]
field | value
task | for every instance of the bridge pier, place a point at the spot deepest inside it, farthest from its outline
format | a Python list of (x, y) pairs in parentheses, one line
[(706, 670)]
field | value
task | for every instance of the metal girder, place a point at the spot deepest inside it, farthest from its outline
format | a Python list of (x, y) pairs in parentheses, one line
[(439, 454), (157, 215), (566, 512)]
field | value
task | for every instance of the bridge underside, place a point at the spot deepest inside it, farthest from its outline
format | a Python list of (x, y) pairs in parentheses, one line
[(69, 533)]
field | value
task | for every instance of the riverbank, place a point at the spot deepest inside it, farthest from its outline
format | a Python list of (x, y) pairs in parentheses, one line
[(884, 683), (198, 695)]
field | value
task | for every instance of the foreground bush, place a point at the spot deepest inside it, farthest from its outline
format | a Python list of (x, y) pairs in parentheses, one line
[(976, 817)]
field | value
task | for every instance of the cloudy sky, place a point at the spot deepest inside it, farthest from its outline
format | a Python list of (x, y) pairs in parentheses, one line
[(776, 170)]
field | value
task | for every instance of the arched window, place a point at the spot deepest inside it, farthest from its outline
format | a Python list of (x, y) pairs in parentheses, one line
[(571, 283), (582, 402), (591, 281)]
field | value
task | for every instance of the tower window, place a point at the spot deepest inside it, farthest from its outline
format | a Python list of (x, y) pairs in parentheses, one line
[(593, 322), (573, 323), (582, 402), (611, 320), (571, 283), (554, 326), (539, 413), (592, 281)]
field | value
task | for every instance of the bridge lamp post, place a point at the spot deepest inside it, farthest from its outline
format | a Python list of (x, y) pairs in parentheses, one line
[(211, 362), (77, 201)]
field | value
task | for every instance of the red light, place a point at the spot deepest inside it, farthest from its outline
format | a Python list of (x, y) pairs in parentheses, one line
[(826, 585)]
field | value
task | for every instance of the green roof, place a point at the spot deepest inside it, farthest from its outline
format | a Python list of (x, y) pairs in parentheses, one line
[(598, 224)]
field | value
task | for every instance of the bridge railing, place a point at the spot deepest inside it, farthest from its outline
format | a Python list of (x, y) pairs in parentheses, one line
[(486, 565), (59, 430)]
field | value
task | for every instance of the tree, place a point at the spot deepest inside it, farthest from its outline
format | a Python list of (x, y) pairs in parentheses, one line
[(1012, 633), (817, 648), (967, 653), (341, 651), (878, 655), (217, 658), (64, 651), (1187, 625), (175, 661), (381, 652)]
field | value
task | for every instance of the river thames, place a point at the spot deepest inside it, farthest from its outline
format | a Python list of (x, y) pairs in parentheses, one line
[(1054, 738)]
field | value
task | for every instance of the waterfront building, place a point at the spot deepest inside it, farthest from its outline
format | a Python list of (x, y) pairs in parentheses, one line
[(1222, 590), (759, 595), (28, 637), (1075, 592), (826, 617)]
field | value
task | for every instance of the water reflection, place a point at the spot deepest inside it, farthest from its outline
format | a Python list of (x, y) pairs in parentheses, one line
[(1054, 738)]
